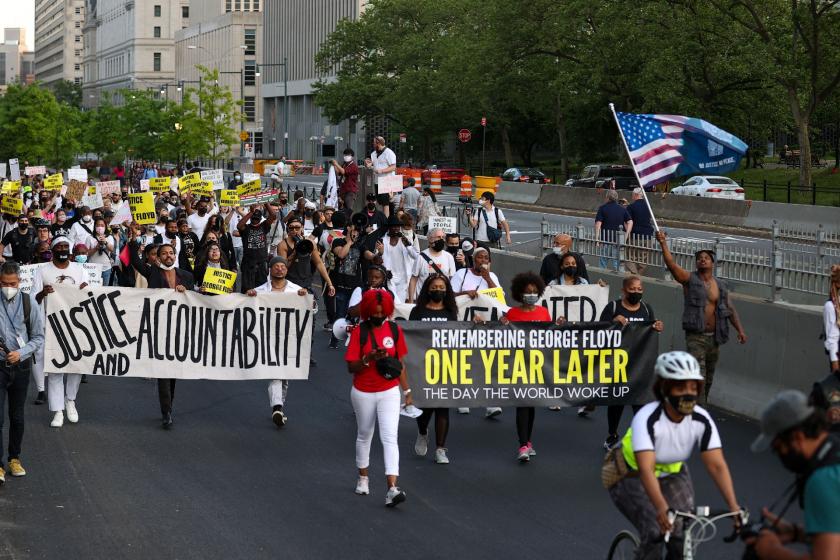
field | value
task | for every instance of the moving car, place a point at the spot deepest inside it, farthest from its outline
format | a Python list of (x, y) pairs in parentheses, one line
[(449, 175), (605, 175), (711, 187), (525, 175)]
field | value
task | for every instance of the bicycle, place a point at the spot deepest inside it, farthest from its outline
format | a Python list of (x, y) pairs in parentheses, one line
[(701, 528)]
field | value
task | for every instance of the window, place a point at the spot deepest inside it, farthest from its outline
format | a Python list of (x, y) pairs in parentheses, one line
[(77, 66), (250, 72), (185, 12), (256, 7), (78, 38), (157, 10), (251, 42), (237, 5), (157, 62), (228, 6), (78, 24), (77, 81), (258, 142), (250, 108), (78, 52), (157, 32), (78, 11)]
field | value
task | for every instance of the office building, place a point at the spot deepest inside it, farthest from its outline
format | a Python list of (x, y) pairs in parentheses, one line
[(16, 63), (58, 40)]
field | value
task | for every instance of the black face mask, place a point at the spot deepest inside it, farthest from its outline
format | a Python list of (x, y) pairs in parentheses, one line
[(452, 249), (23, 227), (377, 321), (371, 206), (256, 217), (794, 462), (171, 234), (570, 270), (634, 298), (394, 232), (61, 255), (684, 404), (438, 245), (437, 295)]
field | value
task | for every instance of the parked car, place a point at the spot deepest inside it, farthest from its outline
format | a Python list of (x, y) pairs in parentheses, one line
[(605, 175), (449, 175), (525, 175), (710, 187)]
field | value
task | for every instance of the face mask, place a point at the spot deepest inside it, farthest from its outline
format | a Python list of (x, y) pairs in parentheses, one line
[(684, 404), (9, 293), (256, 217), (46, 256), (62, 255), (100, 230), (23, 226), (171, 234), (570, 270), (348, 159), (792, 460), (438, 245), (558, 251), (634, 298), (437, 295), (377, 321), (81, 258), (452, 249), (164, 267), (530, 299), (394, 232), (371, 206), (87, 219)]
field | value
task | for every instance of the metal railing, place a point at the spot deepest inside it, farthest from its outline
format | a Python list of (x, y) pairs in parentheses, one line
[(789, 192)]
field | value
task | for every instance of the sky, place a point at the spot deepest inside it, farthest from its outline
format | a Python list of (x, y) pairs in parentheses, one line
[(19, 13)]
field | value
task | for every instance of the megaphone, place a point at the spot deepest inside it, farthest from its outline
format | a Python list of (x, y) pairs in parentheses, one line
[(304, 247), (359, 220), (341, 329)]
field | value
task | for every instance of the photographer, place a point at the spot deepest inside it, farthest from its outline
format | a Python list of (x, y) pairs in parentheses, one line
[(398, 256), (798, 435), (101, 250)]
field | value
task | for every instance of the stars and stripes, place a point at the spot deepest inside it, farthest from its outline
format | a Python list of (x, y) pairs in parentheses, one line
[(654, 143)]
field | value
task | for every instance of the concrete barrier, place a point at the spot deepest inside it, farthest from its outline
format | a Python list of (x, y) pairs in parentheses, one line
[(523, 193), (762, 214)]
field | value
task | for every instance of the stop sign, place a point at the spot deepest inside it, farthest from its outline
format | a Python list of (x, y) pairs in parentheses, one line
[(464, 135)]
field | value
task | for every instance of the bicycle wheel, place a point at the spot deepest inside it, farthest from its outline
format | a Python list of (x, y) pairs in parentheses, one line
[(623, 546)]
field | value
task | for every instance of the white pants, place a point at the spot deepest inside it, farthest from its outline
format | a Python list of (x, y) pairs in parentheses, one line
[(38, 369), (370, 407), (400, 288), (277, 390), (57, 392)]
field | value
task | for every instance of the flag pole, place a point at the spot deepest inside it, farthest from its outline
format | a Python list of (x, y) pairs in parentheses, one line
[(636, 173)]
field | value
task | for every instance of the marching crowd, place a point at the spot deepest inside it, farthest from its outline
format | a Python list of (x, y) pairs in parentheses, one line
[(360, 266)]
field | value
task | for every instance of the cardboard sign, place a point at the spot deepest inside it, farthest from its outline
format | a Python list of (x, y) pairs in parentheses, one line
[(229, 197), (248, 177), (54, 182), (76, 190), (187, 180), (122, 216), (143, 208), (77, 174), (449, 224), (251, 188), (159, 184), (14, 169), (11, 188), (107, 188), (92, 201), (496, 293), (144, 185), (215, 176), (11, 205), (201, 188), (33, 170), (389, 184), (265, 195), (218, 281)]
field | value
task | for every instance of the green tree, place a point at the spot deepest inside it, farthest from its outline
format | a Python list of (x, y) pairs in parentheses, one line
[(215, 131), (68, 92)]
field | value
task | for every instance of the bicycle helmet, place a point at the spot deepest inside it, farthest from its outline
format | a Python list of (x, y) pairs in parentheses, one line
[(678, 366)]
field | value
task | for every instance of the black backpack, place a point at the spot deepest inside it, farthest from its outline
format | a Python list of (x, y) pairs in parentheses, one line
[(388, 367)]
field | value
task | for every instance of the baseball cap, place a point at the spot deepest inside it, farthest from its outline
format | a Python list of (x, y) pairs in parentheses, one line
[(786, 410)]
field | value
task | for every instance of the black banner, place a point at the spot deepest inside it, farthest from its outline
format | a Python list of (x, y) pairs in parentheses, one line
[(456, 364)]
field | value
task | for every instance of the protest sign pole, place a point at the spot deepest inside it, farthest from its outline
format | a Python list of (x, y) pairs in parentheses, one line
[(633, 165)]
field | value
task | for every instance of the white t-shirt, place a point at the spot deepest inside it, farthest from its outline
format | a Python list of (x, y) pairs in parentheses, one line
[(423, 269), (465, 280), (232, 225), (481, 227), (386, 159), (266, 288), (198, 223), (356, 298), (50, 275), (79, 236)]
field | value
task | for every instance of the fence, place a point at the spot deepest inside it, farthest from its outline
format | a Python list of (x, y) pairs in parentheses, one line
[(799, 194)]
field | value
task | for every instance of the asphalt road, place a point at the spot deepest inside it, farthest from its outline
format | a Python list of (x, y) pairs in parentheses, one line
[(226, 483)]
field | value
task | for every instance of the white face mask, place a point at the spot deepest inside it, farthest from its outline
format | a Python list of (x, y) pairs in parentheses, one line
[(558, 251), (164, 267), (87, 219), (348, 159), (9, 293)]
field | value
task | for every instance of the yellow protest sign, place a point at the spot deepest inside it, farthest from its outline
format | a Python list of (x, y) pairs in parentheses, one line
[(91, 191), (11, 187), (159, 184), (54, 181), (186, 182), (201, 188), (143, 208), (229, 197), (11, 205), (251, 188), (218, 281), (497, 293)]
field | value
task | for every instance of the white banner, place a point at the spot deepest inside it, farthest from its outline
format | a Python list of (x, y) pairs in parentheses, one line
[(389, 184), (93, 201), (14, 169), (215, 176), (27, 273), (106, 188), (131, 332), (123, 215), (33, 170), (77, 174), (488, 308), (449, 224)]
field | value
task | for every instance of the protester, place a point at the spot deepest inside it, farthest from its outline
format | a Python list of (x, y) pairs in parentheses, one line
[(798, 435), (399, 256), (376, 219), (303, 259), (60, 271), (453, 247), (210, 256), (488, 222), (629, 309), (408, 230), (376, 279), (569, 272), (655, 448), (189, 243), (470, 281), (552, 265), (254, 232), (410, 199), (277, 282), (374, 347), (81, 232), (609, 220), (216, 226), (21, 240), (707, 309), (171, 236), (426, 208), (642, 231), (434, 259), (348, 171), (22, 331), (382, 160), (826, 392), (436, 302), (102, 251)]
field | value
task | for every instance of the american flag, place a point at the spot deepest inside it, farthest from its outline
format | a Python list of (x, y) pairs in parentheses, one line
[(654, 143)]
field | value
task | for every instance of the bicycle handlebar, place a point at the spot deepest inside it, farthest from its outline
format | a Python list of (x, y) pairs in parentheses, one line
[(705, 515)]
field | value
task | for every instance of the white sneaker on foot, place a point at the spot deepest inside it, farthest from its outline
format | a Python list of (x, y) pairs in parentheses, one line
[(394, 496), (440, 456), (58, 420), (492, 411), (72, 413), (463, 410), (421, 445), (363, 486)]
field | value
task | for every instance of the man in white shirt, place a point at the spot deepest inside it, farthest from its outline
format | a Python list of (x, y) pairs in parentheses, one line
[(277, 282), (81, 233), (398, 256), (433, 260), (486, 215), (382, 160), (198, 220)]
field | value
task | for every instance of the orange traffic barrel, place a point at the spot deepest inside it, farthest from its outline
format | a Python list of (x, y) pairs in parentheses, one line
[(436, 187), (466, 188)]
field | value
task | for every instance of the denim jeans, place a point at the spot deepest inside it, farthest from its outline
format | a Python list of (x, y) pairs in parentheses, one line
[(608, 256)]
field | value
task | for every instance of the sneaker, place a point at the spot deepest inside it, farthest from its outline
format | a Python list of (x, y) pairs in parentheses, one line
[(15, 468), (463, 410), (278, 418), (363, 486), (394, 496), (440, 456), (524, 454), (492, 411), (58, 420), (583, 411), (531, 450), (72, 413), (41, 398), (610, 442), (2, 476), (421, 445)]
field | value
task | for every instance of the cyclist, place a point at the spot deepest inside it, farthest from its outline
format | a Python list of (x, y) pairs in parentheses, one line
[(659, 441)]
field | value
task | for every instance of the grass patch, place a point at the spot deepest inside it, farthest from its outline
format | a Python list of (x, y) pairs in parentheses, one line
[(828, 185)]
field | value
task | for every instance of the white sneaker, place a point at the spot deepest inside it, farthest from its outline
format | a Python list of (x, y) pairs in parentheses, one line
[(440, 456), (492, 411), (72, 413), (58, 420), (363, 486), (394, 496), (463, 410), (421, 445)]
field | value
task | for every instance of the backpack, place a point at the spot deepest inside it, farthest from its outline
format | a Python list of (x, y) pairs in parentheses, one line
[(388, 367), (493, 233)]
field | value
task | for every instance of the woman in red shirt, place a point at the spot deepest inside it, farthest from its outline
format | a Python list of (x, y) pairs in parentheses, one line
[(526, 288), (374, 397)]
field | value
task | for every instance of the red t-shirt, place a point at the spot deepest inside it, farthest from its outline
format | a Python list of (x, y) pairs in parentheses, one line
[(368, 379), (539, 313), (350, 183)]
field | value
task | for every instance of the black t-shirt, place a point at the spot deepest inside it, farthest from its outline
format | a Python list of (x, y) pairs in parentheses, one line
[(255, 242), (615, 308), (189, 243), (23, 245), (426, 314)]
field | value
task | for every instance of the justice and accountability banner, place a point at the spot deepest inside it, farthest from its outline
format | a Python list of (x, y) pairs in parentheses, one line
[(458, 364), (133, 332)]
